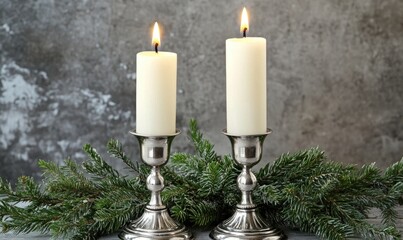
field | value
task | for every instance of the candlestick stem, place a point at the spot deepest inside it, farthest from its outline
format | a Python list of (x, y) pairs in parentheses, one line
[(154, 181), (246, 183)]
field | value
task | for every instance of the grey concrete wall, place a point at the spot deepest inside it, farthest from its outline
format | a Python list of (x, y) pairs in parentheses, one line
[(335, 74)]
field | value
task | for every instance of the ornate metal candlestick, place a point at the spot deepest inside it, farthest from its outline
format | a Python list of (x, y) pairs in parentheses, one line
[(246, 223), (155, 223)]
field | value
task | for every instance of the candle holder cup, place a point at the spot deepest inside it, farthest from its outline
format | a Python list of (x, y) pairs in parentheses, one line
[(155, 223), (246, 222)]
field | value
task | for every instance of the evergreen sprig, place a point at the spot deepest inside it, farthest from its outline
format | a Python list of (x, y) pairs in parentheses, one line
[(302, 191)]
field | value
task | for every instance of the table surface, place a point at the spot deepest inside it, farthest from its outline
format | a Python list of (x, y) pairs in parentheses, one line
[(374, 218), (202, 235)]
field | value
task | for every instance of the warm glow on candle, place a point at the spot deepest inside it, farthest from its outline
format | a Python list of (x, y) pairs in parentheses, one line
[(156, 35), (244, 22)]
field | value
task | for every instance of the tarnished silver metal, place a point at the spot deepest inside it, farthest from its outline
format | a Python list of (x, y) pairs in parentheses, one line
[(246, 222), (155, 223)]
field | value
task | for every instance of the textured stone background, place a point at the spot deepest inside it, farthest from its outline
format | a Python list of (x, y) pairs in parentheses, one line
[(335, 74)]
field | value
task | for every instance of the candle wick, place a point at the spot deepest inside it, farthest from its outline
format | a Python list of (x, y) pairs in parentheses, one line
[(156, 47), (244, 32)]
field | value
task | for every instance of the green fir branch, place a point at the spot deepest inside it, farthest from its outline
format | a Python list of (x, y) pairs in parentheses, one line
[(301, 190)]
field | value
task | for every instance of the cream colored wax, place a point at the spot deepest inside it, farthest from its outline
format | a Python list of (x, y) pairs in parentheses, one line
[(156, 93), (246, 85)]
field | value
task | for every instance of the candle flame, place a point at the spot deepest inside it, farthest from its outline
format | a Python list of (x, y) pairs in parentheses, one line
[(156, 35), (244, 21)]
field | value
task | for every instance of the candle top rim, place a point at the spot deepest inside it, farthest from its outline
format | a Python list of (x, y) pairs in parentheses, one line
[(154, 54), (247, 39)]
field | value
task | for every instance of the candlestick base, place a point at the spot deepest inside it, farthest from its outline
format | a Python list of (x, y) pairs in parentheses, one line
[(246, 224), (155, 224)]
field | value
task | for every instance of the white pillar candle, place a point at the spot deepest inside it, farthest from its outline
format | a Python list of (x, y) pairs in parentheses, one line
[(246, 84), (156, 91)]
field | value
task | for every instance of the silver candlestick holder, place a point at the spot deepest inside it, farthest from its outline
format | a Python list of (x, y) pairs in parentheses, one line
[(246, 222), (155, 223)]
